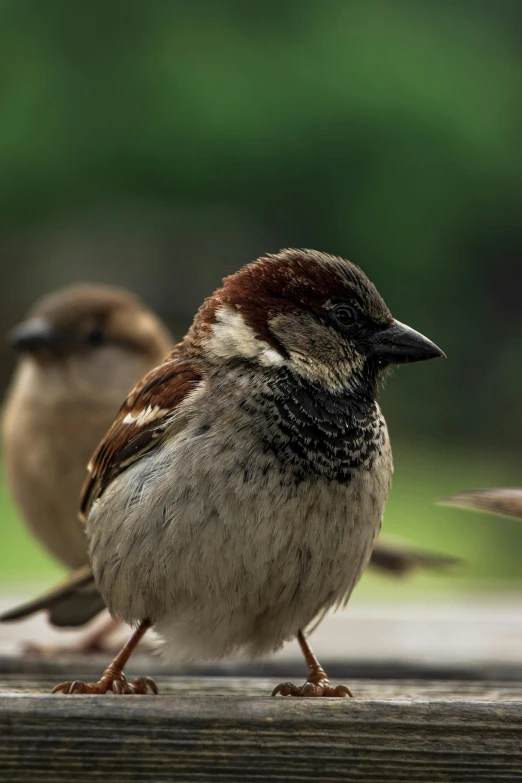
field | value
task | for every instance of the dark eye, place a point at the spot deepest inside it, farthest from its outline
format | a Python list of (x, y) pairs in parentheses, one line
[(97, 337), (344, 314)]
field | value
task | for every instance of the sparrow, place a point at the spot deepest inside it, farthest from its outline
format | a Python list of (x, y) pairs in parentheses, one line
[(82, 348), (46, 467), (239, 492)]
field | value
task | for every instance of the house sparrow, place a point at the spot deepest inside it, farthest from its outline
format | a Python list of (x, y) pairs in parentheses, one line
[(239, 492), (507, 502), (46, 478), (82, 349)]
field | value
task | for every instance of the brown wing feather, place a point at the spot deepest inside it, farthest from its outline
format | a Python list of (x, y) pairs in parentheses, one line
[(143, 418)]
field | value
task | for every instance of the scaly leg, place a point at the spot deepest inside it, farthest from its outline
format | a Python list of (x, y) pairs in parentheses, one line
[(317, 683), (113, 678)]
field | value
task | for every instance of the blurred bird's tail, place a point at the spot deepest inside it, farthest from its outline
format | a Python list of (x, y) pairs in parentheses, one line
[(394, 559), (497, 501), (71, 603)]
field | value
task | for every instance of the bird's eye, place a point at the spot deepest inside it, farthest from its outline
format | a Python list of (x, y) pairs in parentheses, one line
[(97, 337), (344, 314)]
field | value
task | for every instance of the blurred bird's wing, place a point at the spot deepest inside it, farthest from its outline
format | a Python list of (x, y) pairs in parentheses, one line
[(71, 603), (396, 559), (147, 415), (497, 501)]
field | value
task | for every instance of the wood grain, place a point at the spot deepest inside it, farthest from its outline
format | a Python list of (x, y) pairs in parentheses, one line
[(224, 729)]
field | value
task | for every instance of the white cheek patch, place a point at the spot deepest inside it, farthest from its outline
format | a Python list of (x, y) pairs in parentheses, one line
[(150, 413), (232, 337)]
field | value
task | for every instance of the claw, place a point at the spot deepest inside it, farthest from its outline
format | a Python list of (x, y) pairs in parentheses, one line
[(321, 688), (63, 687), (145, 682), (342, 691), (117, 684), (286, 689), (77, 687)]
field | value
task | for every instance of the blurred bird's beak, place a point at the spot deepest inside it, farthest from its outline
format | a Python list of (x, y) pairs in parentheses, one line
[(398, 344), (35, 336)]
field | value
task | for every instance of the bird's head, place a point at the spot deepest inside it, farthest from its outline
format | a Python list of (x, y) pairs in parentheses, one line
[(315, 314), (92, 335)]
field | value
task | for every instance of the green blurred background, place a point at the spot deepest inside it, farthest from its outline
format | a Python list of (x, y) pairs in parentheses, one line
[(160, 145)]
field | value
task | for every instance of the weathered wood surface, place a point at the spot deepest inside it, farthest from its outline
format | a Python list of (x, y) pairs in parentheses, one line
[(13, 685), (224, 729)]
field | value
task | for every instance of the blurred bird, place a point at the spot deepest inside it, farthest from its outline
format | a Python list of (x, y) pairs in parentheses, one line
[(507, 502), (81, 349), (239, 493)]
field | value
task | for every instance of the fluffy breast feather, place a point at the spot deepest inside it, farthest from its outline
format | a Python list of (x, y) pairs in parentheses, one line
[(216, 539)]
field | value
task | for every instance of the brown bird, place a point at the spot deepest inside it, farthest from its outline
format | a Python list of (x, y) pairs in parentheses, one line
[(240, 490), (81, 349)]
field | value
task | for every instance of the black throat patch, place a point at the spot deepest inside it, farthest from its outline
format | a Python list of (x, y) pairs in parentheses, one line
[(318, 433)]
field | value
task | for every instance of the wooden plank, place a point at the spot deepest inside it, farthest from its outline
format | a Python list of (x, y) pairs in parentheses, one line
[(198, 735), (452, 690)]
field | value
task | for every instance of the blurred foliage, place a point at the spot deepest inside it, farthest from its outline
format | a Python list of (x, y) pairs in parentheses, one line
[(160, 145)]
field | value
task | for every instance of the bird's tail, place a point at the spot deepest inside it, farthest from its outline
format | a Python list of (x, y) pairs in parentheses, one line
[(71, 603), (394, 559), (497, 501)]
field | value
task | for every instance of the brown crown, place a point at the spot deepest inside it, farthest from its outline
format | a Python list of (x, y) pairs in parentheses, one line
[(289, 281)]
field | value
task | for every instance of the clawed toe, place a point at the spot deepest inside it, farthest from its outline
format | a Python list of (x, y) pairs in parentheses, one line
[(286, 689), (320, 688), (141, 686), (77, 686), (118, 685)]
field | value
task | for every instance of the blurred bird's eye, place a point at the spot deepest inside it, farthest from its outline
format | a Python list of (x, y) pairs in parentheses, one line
[(344, 314), (97, 337)]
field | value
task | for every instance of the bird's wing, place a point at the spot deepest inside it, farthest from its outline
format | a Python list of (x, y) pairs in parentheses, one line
[(498, 501), (396, 559), (148, 413), (72, 602)]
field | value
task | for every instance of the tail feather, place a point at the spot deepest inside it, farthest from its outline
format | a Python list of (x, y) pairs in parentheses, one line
[(507, 502), (71, 603)]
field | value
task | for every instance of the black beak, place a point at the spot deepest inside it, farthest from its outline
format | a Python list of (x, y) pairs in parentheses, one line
[(398, 344), (34, 336)]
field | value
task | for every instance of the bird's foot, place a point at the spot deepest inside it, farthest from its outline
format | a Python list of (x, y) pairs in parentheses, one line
[(316, 685), (112, 681)]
